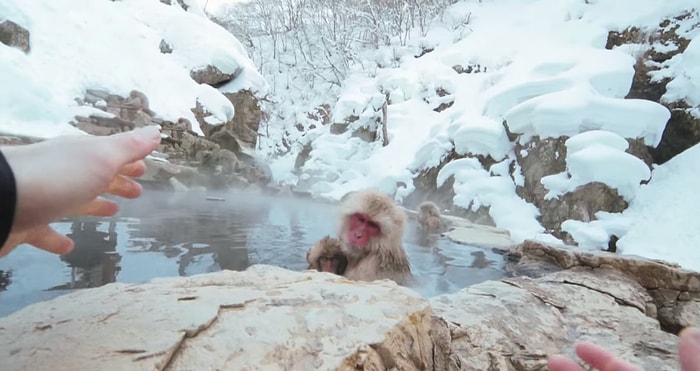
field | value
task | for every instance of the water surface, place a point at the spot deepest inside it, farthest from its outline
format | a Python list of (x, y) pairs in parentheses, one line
[(180, 234)]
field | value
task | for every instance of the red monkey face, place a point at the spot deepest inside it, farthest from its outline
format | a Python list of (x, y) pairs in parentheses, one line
[(328, 264), (361, 230)]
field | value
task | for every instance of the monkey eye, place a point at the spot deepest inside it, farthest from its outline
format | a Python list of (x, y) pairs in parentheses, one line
[(373, 225), (361, 218)]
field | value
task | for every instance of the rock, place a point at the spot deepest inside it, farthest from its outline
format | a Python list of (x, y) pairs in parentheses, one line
[(226, 140), (683, 129), (99, 125), (303, 155), (247, 120), (255, 170), (516, 323), (677, 309), (183, 4), (191, 145), (11, 140), (675, 292), (651, 274), (243, 127), (465, 232), (123, 113), (211, 75), (638, 149), (682, 132), (471, 68), (165, 48), (264, 317), (542, 157), (426, 186), (279, 319), (339, 127), (159, 171), (14, 35)]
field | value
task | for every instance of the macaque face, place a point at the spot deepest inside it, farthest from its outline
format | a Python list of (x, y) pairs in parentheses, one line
[(361, 230), (329, 264)]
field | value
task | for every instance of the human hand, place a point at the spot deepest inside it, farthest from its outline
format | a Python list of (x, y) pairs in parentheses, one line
[(595, 356), (602, 360), (66, 176)]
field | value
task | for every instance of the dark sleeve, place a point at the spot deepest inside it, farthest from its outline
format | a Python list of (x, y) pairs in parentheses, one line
[(8, 199)]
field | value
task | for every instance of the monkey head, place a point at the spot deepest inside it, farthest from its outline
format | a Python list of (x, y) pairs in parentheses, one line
[(326, 255), (369, 220), (333, 264), (428, 208)]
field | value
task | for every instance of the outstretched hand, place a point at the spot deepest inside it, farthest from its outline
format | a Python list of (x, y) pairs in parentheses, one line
[(66, 176), (602, 360)]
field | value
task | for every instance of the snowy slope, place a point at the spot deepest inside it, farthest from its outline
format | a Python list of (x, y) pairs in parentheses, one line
[(548, 74), (663, 218), (114, 46)]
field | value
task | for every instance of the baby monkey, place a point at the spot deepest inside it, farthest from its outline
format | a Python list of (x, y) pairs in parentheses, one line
[(429, 219), (327, 256)]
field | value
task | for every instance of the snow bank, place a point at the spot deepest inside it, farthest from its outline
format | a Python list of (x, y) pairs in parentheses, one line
[(476, 187), (663, 216), (598, 156), (114, 46), (685, 70)]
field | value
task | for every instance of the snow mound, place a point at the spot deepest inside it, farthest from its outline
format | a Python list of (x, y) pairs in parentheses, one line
[(114, 46)]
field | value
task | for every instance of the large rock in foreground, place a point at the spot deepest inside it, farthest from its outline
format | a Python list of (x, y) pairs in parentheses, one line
[(515, 323), (273, 319), (264, 318), (675, 291)]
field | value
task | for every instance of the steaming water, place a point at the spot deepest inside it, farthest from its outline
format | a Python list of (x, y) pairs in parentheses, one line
[(171, 234)]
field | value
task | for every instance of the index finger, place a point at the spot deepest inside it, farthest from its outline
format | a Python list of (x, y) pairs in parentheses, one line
[(132, 146), (561, 363), (689, 349), (601, 359)]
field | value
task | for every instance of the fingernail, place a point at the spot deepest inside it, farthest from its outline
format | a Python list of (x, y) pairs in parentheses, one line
[(692, 334), (150, 132)]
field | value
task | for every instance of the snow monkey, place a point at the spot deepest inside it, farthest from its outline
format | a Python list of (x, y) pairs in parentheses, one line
[(429, 219), (137, 100), (326, 256), (371, 231)]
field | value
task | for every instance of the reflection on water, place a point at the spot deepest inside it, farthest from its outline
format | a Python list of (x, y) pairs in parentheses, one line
[(181, 234)]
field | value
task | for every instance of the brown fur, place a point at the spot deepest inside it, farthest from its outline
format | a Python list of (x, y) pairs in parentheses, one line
[(385, 256), (138, 100), (330, 248), (429, 219)]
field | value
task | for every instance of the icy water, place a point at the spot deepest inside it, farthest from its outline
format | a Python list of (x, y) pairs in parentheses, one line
[(182, 234)]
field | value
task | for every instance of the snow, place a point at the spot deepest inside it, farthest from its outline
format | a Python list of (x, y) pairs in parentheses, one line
[(475, 187), (114, 46), (664, 223), (586, 152), (686, 71), (572, 111), (540, 66), (661, 222)]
